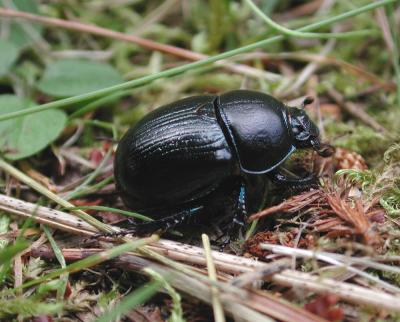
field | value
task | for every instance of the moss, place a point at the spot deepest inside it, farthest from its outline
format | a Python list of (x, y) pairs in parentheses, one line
[(381, 183), (359, 138)]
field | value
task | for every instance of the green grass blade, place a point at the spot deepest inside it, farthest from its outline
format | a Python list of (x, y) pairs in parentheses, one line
[(92, 260), (9, 252), (181, 69), (114, 210), (60, 257), (176, 311), (301, 34), (6, 256)]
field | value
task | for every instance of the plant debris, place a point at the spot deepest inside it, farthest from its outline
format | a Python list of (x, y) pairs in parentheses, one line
[(324, 306)]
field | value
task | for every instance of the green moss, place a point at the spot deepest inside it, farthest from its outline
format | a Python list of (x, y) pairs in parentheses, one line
[(26, 307), (359, 138), (383, 183)]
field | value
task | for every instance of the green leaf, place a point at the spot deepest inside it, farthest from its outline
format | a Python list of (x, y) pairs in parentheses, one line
[(21, 33), (73, 77), (8, 55), (24, 136)]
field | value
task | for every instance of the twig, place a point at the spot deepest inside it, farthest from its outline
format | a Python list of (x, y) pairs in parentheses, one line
[(229, 263), (44, 215), (52, 196), (36, 175), (260, 274), (212, 274), (18, 276), (17, 267), (307, 71), (365, 261), (36, 244), (95, 259), (195, 255), (323, 60), (355, 111), (278, 249), (72, 156), (174, 250), (246, 304), (146, 43), (346, 291)]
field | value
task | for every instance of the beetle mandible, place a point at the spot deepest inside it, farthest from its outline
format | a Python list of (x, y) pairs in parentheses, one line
[(186, 155)]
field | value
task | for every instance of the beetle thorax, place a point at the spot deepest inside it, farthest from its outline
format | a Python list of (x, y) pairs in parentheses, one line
[(255, 125)]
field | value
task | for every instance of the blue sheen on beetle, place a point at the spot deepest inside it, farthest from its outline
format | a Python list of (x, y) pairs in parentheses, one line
[(190, 154)]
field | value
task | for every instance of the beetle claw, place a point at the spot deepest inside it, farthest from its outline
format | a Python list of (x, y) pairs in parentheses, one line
[(224, 242), (281, 179)]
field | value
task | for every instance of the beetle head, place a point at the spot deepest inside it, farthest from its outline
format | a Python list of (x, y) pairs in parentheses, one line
[(305, 133)]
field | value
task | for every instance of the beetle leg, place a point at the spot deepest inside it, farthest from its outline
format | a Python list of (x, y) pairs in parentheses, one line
[(151, 226), (238, 217), (280, 178), (167, 222), (240, 213)]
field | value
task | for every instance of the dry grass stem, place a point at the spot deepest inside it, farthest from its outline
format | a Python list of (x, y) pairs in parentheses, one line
[(45, 215), (346, 291), (212, 274), (330, 260), (323, 60), (245, 304), (262, 273), (356, 111), (14, 172), (291, 205), (227, 263), (146, 43), (383, 22), (349, 260), (307, 71)]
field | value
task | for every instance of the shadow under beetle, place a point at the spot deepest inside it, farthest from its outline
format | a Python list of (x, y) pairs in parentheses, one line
[(204, 151)]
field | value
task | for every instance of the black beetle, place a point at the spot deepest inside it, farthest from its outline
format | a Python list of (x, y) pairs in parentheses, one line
[(186, 155)]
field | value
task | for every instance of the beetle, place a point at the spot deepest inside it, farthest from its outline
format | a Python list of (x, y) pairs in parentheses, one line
[(196, 152)]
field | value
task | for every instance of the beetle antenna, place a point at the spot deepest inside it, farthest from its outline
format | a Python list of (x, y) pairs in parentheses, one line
[(307, 101)]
